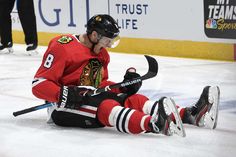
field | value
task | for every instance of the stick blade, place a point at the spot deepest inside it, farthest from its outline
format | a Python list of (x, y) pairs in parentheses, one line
[(152, 68)]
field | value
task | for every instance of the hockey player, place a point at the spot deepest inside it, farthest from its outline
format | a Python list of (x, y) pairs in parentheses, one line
[(74, 64)]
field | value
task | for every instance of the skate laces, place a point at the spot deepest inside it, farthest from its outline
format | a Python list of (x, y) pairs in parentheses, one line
[(153, 122)]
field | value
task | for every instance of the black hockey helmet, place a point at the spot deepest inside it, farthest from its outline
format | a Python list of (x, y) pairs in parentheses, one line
[(103, 24)]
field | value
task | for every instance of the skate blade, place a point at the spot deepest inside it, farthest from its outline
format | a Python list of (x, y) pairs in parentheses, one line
[(32, 52), (177, 127), (211, 117), (7, 50), (10, 50)]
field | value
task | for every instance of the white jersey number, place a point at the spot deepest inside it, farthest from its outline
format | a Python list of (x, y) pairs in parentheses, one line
[(48, 61)]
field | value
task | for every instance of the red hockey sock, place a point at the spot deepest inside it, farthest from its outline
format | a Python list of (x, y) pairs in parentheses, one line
[(181, 112), (127, 120)]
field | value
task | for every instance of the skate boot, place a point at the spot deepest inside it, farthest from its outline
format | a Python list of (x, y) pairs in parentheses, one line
[(205, 111), (32, 49), (8, 46), (162, 121)]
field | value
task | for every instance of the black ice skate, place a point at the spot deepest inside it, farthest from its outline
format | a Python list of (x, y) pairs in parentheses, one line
[(32, 49), (8, 47), (205, 111), (162, 122)]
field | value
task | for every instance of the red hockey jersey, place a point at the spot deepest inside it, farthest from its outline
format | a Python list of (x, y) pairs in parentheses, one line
[(69, 62)]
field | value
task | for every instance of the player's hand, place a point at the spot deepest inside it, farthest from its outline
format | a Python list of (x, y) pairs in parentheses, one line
[(73, 96), (129, 75)]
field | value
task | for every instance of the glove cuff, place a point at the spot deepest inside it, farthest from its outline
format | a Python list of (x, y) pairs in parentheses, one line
[(63, 96)]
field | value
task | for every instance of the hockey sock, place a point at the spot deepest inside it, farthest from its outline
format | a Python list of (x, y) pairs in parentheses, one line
[(126, 120), (150, 107), (181, 112)]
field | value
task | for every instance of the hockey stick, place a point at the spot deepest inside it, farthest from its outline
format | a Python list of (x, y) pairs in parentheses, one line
[(152, 72), (31, 109)]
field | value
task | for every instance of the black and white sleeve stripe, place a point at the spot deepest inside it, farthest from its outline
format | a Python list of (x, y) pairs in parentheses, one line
[(37, 81)]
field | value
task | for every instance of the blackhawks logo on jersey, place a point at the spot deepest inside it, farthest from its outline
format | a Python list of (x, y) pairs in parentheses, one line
[(65, 40), (92, 74)]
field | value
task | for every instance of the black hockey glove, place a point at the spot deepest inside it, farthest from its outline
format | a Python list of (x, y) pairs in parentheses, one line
[(73, 96), (129, 75)]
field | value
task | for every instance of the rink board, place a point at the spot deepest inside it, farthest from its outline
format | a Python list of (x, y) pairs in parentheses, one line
[(174, 48)]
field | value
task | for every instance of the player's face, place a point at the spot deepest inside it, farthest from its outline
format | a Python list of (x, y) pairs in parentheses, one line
[(103, 42), (108, 42)]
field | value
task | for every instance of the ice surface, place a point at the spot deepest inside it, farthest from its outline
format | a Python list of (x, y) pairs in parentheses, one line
[(182, 79)]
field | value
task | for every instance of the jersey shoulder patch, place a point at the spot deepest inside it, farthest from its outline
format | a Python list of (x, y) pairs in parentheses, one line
[(64, 39)]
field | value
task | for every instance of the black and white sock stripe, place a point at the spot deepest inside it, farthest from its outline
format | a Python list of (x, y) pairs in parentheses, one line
[(122, 121)]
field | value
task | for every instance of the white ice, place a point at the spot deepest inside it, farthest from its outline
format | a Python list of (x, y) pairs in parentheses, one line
[(29, 135)]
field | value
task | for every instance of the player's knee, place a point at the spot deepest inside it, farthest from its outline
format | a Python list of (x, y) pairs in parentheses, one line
[(135, 101), (106, 110)]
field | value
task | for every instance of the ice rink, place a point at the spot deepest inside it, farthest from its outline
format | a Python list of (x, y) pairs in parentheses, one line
[(29, 135)]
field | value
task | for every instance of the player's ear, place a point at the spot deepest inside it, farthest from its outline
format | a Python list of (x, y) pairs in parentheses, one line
[(94, 35)]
